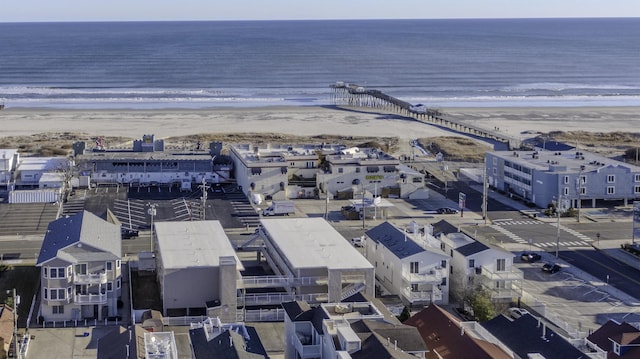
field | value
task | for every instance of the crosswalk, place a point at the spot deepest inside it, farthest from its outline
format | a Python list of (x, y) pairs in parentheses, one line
[(583, 240), (562, 244), (515, 222)]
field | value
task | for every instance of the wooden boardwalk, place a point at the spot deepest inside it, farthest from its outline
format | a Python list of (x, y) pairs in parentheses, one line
[(359, 96)]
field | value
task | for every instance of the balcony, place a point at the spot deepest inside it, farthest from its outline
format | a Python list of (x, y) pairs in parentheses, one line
[(509, 291), (507, 275), (430, 276), (431, 296), (304, 342), (90, 298), (91, 278)]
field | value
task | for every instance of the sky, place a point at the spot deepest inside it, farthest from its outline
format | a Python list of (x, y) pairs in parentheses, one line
[(161, 10)]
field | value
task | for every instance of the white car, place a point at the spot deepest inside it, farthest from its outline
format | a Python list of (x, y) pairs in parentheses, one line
[(516, 313)]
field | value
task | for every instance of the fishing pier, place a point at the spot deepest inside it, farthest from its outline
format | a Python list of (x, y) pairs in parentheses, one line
[(358, 96)]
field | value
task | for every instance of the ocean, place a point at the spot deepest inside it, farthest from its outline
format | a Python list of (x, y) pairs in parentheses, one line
[(439, 63)]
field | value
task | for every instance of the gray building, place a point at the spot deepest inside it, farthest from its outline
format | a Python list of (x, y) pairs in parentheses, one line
[(577, 177), (81, 274), (196, 264)]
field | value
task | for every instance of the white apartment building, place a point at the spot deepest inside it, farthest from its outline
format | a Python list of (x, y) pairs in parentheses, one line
[(476, 265), (311, 261), (408, 264)]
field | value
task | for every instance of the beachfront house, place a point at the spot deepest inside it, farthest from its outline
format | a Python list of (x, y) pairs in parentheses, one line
[(81, 274)]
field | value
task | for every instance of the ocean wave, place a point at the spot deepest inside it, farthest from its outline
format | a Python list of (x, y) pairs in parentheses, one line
[(559, 87)]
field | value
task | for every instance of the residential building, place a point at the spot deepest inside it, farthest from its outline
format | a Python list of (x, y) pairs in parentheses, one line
[(122, 342), (213, 339), (196, 264), (615, 340), (448, 337), (408, 263), (475, 265), (529, 337), (358, 329), (541, 177), (306, 171), (81, 274), (7, 321), (311, 261), (9, 159)]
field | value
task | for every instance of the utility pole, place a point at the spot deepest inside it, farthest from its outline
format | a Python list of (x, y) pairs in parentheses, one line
[(485, 192), (16, 301), (558, 221), (203, 200), (152, 212)]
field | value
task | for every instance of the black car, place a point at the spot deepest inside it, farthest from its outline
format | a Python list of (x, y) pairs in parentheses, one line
[(447, 210), (128, 233), (530, 257), (550, 268)]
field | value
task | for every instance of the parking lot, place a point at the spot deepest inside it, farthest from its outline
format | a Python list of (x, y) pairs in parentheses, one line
[(573, 300)]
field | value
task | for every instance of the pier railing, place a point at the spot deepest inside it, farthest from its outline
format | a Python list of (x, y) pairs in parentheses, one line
[(359, 96)]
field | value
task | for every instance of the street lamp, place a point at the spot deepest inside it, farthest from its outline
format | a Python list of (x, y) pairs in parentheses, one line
[(579, 184), (152, 212)]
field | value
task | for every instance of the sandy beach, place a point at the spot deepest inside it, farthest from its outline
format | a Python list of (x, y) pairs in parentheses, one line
[(307, 121)]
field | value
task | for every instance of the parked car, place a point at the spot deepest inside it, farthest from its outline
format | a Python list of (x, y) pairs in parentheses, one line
[(550, 268), (516, 313), (447, 210), (530, 257), (128, 233), (357, 241)]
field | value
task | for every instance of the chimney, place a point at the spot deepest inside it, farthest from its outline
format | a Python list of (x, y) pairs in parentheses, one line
[(395, 344), (544, 331)]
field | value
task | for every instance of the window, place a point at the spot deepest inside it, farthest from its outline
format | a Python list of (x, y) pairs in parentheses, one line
[(444, 281), (472, 263), (414, 287), (565, 190), (57, 293), (636, 189), (611, 178), (357, 169), (340, 170), (636, 178), (118, 264), (45, 293), (58, 309), (500, 265), (46, 272), (583, 180), (118, 284), (57, 272), (413, 267), (495, 161), (109, 286), (583, 190), (109, 265), (611, 190), (495, 171), (566, 179), (501, 284)]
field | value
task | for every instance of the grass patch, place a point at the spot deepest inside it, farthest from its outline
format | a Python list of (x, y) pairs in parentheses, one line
[(146, 292), (26, 280)]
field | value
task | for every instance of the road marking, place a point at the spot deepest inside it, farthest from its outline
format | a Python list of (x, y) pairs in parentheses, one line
[(611, 269)]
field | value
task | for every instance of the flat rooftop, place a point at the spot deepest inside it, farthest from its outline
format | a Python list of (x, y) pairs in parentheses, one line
[(313, 243), (193, 244), (562, 161)]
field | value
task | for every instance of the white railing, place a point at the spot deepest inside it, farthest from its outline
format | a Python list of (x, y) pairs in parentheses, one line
[(264, 315), (433, 295), (93, 278), (353, 278), (279, 281), (512, 274), (183, 321), (90, 298), (308, 351), (431, 275)]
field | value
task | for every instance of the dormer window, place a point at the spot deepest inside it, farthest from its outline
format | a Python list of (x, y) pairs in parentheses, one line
[(616, 348)]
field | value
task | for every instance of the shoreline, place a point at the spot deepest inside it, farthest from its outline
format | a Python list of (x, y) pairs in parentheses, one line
[(310, 120)]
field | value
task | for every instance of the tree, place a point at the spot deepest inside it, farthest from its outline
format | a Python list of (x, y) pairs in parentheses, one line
[(480, 302), (406, 314)]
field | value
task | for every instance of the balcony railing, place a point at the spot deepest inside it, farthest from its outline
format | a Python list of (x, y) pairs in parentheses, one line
[(90, 298), (432, 295), (308, 351), (91, 278), (512, 274), (430, 276), (277, 298), (503, 293), (279, 281)]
